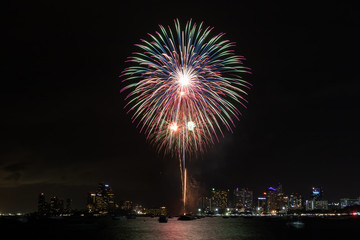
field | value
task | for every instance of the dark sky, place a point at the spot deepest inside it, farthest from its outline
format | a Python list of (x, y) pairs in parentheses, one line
[(63, 127)]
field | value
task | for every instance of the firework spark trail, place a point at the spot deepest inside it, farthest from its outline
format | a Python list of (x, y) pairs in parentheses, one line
[(183, 89)]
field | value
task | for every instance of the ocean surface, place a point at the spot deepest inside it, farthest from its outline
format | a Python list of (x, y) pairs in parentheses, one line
[(204, 228)]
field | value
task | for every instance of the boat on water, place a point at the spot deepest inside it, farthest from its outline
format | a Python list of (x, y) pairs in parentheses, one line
[(186, 218), (296, 224), (163, 219)]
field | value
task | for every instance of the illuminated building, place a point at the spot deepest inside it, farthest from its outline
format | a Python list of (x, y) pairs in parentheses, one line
[(219, 200), (156, 211), (316, 194), (284, 204), (261, 205), (347, 202), (316, 201), (107, 195), (204, 204), (272, 203), (91, 202), (100, 204), (127, 205), (323, 205), (276, 201), (243, 199), (295, 201), (68, 205), (139, 209), (102, 201), (42, 205), (316, 205), (56, 205), (334, 205)]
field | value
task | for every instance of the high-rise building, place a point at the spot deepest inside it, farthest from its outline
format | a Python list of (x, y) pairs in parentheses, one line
[(56, 205), (68, 204), (102, 201), (42, 204), (316, 201), (91, 202), (295, 201), (219, 200), (261, 205), (243, 199), (316, 194), (100, 204), (276, 201), (108, 202)]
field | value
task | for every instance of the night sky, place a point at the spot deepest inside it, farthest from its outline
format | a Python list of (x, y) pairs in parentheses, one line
[(64, 129)]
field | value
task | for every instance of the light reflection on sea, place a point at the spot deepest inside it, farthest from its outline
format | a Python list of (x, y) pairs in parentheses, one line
[(256, 228), (231, 228)]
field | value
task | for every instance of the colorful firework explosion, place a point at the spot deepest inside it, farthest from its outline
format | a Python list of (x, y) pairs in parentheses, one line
[(185, 87)]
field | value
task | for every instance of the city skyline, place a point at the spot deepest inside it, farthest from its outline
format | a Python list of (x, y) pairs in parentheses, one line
[(64, 128), (243, 199)]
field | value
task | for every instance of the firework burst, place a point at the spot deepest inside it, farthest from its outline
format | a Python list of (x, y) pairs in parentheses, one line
[(185, 87)]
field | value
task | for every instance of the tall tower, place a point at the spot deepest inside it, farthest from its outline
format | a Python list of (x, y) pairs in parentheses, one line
[(105, 198), (243, 199), (56, 205), (316, 194), (68, 205), (276, 200), (261, 204), (219, 200), (42, 205), (91, 202)]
